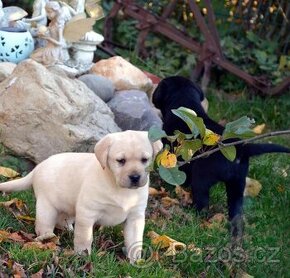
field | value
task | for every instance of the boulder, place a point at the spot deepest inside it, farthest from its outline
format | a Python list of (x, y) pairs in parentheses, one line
[(6, 69), (44, 113), (133, 110), (123, 74), (101, 86)]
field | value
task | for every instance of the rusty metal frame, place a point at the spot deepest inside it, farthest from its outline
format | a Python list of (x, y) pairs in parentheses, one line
[(209, 52)]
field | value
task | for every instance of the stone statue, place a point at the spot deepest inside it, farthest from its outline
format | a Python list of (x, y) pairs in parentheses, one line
[(74, 6), (39, 17), (55, 51), (11, 16)]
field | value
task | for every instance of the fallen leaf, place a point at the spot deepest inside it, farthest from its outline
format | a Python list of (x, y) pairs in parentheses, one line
[(18, 271), (253, 187), (174, 248), (164, 241), (16, 206), (26, 218), (16, 237), (19, 237), (259, 128), (8, 172), (41, 246), (38, 274), (155, 192), (192, 248), (217, 218), (4, 235), (184, 196), (169, 202), (281, 188), (216, 221)]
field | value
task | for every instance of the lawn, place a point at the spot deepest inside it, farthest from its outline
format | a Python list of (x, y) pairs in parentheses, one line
[(265, 248)]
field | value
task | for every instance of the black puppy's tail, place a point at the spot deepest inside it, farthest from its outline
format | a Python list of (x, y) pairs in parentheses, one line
[(258, 149)]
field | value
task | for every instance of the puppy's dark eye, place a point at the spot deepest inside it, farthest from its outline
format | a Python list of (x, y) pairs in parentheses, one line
[(144, 160), (121, 161)]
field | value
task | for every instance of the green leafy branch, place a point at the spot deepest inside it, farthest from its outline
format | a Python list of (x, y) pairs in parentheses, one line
[(199, 143)]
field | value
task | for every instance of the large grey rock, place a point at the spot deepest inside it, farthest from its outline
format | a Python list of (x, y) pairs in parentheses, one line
[(133, 110), (101, 86), (43, 113)]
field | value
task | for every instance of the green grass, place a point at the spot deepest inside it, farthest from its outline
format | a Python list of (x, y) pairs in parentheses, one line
[(266, 241)]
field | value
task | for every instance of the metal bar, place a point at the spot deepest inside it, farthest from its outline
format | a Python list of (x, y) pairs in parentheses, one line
[(280, 88), (161, 26), (212, 26)]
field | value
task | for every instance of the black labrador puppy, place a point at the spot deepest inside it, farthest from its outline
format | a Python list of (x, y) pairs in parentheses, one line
[(176, 91)]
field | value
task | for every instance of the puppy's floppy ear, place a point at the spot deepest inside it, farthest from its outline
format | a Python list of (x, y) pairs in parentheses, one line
[(102, 150), (157, 146)]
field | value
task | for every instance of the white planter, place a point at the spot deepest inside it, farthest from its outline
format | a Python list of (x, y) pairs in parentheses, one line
[(15, 44), (83, 50)]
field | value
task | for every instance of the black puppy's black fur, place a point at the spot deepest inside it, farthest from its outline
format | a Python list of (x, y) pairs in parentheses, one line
[(174, 92)]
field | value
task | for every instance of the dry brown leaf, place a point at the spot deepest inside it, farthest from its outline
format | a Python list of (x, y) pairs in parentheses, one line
[(216, 221), (26, 218), (155, 192), (8, 172), (18, 271), (259, 128), (20, 236), (169, 202), (4, 235), (16, 206), (38, 274), (41, 246), (184, 196), (253, 187), (76, 29), (164, 241), (192, 248), (218, 218), (16, 237), (174, 248)]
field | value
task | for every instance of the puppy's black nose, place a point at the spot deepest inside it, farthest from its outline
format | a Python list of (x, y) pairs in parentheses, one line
[(134, 178)]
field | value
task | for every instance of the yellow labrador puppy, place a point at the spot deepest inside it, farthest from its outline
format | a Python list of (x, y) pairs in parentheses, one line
[(108, 190)]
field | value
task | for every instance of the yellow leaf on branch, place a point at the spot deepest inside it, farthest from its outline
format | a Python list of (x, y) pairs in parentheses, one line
[(167, 159), (210, 138), (259, 128)]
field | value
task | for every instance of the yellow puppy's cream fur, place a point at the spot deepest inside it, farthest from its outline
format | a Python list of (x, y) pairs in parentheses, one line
[(108, 188)]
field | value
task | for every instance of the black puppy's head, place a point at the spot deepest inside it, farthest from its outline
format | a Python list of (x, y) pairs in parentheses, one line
[(176, 91)]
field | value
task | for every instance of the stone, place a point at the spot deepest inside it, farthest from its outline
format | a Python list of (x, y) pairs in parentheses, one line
[(6, 68), (123, 74), (101, 86), (133, 110), (43, 113)]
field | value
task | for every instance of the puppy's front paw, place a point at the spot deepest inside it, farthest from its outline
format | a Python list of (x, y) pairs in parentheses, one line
[(134, 253), (82, 251)]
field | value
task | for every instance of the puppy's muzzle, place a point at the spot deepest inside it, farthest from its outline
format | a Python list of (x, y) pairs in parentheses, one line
[(134, 179)]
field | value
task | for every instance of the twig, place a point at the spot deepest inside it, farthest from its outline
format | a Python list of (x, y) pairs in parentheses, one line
[(244, 141)]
